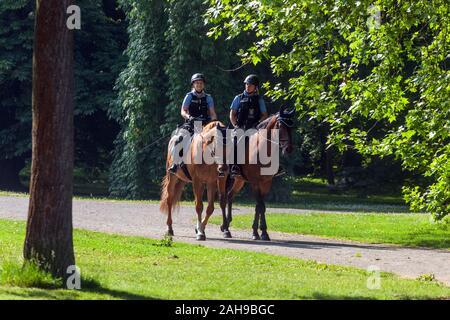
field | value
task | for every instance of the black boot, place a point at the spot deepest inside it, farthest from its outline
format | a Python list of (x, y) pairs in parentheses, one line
[(173, 168), (280, 172), (235, 171), (221, 169)]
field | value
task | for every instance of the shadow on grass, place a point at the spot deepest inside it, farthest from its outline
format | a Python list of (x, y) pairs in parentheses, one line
[(335, 205), (93, 286), (428, 239), (326, 296), (88, 286), (301, 244), (431, 244)]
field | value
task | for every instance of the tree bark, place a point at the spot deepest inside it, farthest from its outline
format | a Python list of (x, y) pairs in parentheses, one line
[(49, 228)]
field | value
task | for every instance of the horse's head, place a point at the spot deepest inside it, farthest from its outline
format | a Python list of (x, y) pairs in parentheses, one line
[(285, 122)]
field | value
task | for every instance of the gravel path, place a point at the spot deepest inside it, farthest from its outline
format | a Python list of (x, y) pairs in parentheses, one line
[(144, 219)]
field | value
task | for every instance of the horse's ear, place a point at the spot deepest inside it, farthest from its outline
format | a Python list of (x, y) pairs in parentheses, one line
[(290, 113)]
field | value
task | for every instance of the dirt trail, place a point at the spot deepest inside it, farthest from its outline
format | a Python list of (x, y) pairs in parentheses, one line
[(144, 219)]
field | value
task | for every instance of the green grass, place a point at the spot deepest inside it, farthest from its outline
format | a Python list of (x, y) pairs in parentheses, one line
[(13, 194), (140, 268), (27, 275), (402, 229), (314, 193)]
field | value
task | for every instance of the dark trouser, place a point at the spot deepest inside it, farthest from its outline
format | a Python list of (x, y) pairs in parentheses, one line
[(189, 127), (235, 168)]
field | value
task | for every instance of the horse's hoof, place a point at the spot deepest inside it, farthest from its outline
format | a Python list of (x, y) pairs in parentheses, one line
[(221, 228), (265, 237), (201, 237), (256, 236), (169, 233), (227, 235)]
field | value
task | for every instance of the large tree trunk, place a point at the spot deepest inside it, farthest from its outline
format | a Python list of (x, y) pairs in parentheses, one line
[(49, 229), (9, 174)]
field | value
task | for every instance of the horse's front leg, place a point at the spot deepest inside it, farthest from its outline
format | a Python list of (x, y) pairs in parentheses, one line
[(260, 210), (255, 224), (198, 193), (211, 192), (221, 184), (261, 207), (237, 186)]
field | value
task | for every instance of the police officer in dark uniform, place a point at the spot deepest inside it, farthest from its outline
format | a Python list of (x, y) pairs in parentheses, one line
[(247, 110), (196, 105)]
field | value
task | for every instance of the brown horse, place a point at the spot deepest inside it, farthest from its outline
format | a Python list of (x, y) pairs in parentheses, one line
[(200, 174), (251, 173)]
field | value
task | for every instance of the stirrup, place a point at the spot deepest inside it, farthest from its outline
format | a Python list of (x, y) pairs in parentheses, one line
[(236, 171), (173, 169), (280, 172), (221, 171)]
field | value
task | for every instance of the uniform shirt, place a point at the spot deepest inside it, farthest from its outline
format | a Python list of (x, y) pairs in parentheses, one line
[(188, 98), (237, 101)]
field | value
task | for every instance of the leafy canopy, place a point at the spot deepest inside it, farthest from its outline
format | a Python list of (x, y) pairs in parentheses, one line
[(376, 71)]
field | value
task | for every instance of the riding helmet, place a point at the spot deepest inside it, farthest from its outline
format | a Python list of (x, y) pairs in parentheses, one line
[(252, 79), (198, 76)]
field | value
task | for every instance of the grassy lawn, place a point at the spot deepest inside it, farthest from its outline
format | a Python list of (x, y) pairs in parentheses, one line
[(314, 193), (119, 267), (403, 229)]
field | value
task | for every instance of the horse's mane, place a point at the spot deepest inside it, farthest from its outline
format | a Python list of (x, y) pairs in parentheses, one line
[(264, 124), (212, 124)]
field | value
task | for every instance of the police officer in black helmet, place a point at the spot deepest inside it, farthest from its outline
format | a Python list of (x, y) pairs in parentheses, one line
[(197, 105), (247, 110)]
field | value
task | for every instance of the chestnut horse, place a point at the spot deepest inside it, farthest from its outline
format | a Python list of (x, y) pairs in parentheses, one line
[(251, 173), (201, 175)]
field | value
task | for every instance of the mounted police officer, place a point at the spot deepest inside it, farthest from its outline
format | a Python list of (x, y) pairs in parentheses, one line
[(247, 110), (197, 106)]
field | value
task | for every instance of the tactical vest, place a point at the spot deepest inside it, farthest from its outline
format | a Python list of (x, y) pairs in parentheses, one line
[(248, 113), (198, 106)]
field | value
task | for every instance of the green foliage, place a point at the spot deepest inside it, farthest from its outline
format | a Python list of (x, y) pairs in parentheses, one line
[(191, 51), (98, 48), (377, 73), (27, 275), (167, 44), (167, 241), (16, 39), (427, 277), (139, 108), (98, 61)]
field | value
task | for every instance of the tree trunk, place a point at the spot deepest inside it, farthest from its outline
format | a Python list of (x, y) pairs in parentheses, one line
[(329, 166), (327, 155), (9, 174), (49, 228)]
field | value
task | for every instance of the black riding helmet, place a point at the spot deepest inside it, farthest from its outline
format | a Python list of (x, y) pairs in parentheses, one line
[(252, 79), (198, 76)]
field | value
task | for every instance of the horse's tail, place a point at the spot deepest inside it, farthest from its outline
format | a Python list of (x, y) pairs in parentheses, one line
[(171, 190)]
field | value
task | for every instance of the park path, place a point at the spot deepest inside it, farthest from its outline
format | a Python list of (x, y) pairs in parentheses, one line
[(144, 219)]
